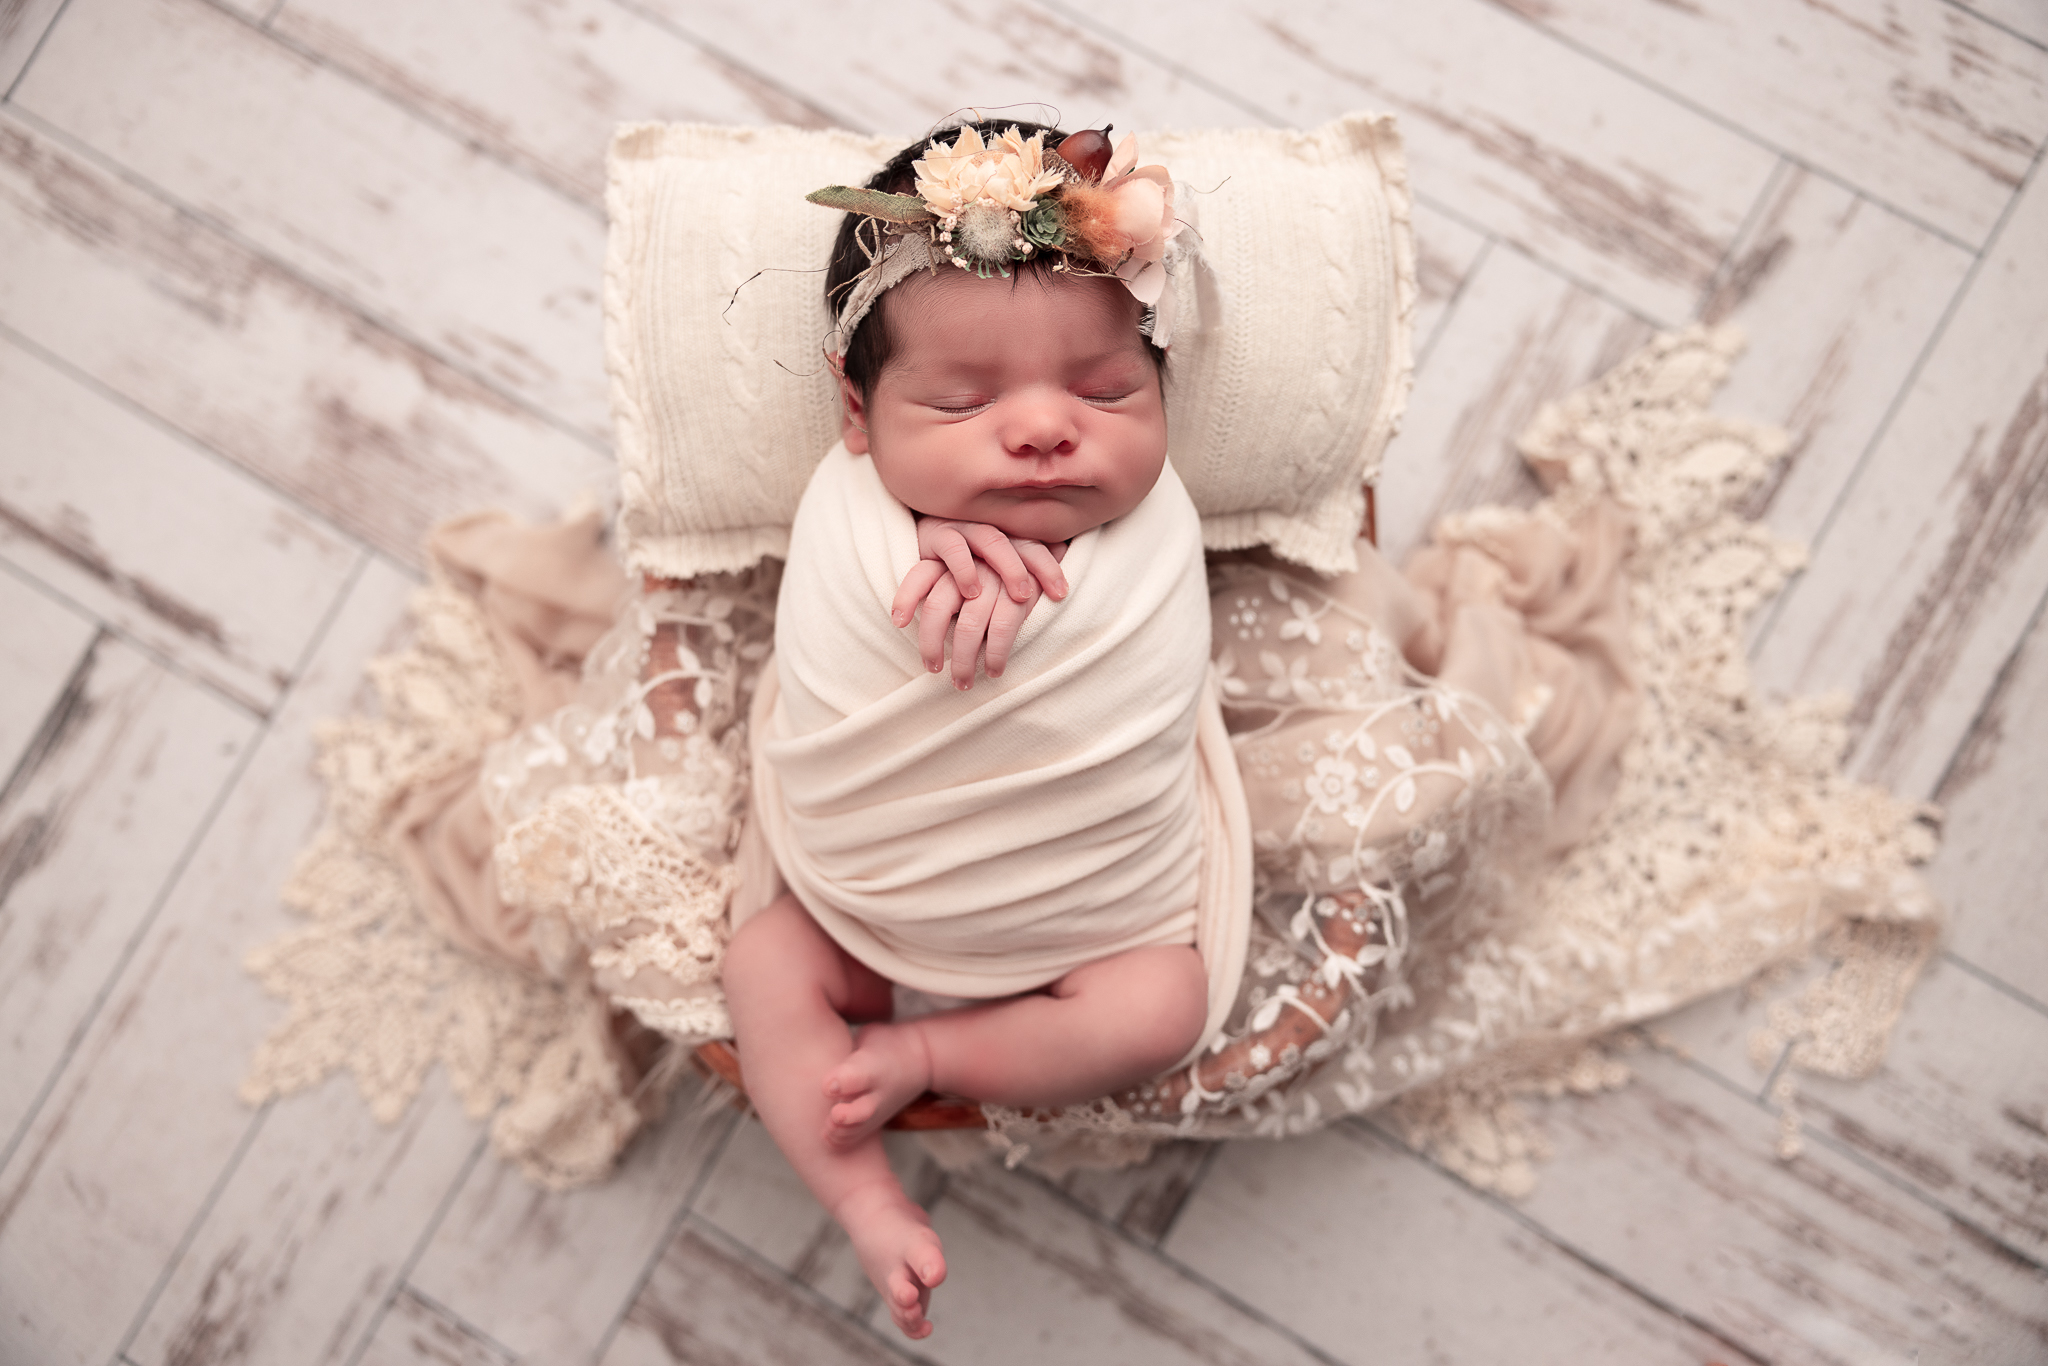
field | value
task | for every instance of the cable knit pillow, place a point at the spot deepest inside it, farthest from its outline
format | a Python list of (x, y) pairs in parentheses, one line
[(1289, 368)]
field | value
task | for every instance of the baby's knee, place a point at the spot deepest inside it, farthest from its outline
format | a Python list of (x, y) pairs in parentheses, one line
[(768, 944), (1169, 1003)]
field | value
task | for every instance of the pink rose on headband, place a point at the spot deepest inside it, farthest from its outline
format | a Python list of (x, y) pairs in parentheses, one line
[(1142, 199)]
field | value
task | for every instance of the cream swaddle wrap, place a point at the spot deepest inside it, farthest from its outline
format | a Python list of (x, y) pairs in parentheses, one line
[(982, 843)]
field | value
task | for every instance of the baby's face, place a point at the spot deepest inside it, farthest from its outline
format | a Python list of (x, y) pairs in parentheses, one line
[(1032, 406)]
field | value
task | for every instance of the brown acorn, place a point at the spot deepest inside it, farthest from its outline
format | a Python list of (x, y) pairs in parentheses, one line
[(1087, 151)]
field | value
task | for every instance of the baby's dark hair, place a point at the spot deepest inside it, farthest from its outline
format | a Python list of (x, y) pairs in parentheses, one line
[(871, 345)]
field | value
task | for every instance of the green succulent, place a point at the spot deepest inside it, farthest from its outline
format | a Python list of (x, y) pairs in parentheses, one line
[(1045, 225)]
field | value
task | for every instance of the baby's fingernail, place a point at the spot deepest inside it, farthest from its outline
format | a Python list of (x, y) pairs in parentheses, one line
[(995, 673)]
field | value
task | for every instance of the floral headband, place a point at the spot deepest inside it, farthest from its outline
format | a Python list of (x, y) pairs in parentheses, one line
[(983, 206)]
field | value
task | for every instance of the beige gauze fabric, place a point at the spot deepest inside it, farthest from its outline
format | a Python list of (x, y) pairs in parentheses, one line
[(984, 842)]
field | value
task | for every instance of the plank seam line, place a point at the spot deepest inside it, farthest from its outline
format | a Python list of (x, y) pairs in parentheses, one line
[(1994, 981), (34, 52), (1443, 322), (1999, 680), (2029, 39), (199, 1218), (171, 880), (1905, 390), (734, 1248), (401, 1279), (1195, 1183), (1145, 52), (426, 118), (312, 285), (1585, 1259), (1728, 124), (1741, 237), (713, 50), (442, 1308), (86, 379), (60, 707), (276, 8), (673, 1229), (1175, 1265)]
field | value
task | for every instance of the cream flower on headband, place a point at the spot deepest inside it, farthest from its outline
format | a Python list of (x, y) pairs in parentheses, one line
[(1010, 175)]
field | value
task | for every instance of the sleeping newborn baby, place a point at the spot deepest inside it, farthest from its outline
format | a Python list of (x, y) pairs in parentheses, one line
[(1043, 843)]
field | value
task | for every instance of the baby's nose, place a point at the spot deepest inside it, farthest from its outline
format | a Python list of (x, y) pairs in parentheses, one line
[(1040, 424)]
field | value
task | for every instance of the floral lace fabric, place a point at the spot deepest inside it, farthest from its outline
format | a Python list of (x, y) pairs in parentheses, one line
[(1466, 877)]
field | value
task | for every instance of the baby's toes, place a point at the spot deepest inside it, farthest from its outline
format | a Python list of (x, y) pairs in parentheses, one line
[(850, 1078), (907, 1303), (850, 1115)]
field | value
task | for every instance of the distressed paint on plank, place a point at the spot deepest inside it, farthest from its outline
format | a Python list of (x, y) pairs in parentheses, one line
[(1959, 1110), (144, 1118), (753, 1196), (903, 67), (297, 1258), (417, 1332), (1520, 337), (1537, 144), (1372, 1255), (1933, 564), (40, 649), (200, 563), (548, 1273), (541, 84), (338, 414), (22, 25), (708, 1303), (2026, 17), (1838, 298), (1013, 1249), (104, 805), (1676, 1183), (1919, 103), (1993, 861), (498, 275)]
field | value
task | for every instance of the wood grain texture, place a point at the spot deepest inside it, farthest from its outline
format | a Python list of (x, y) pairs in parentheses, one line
[(1931, 568), (1994, 849), (898, 66), (1959, 1110), (22, 25), (497, 275), (144, 1120), (41, 647), (160, 540), (709, 1303), (130, 758), (1532, 153), (2028, 18), (1916, 102), (417, 1332), (1144, 1200), (1838, 298), (297, 1258), (541, 83), (1446, 252), (1013, 1248), (1520, 336), (1674, 1183), (1373, 1256), (547, 1273), (346, 419)]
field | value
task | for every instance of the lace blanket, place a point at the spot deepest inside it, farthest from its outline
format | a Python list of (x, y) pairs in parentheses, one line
[(1503, 806), (984, 842)]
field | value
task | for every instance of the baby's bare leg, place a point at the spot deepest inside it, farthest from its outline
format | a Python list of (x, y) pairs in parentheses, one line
[(1104, 1026), (791, 990)]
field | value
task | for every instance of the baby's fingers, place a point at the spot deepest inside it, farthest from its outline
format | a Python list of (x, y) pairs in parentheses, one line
[(1003, 625), (934, 618), (914, 588), (999, 554), (1044, 564), (967, 634), (943, 539)]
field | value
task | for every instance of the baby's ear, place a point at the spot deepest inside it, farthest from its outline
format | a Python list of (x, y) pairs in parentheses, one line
[(853, 412)]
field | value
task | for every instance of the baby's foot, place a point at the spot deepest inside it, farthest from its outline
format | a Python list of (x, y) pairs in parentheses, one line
[(888, 1068), (897, 1248)]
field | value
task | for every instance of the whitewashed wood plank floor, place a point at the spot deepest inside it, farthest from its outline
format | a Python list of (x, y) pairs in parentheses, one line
[(284, 281)]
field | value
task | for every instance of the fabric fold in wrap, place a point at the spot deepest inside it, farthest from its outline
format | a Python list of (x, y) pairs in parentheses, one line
[(983, 843)]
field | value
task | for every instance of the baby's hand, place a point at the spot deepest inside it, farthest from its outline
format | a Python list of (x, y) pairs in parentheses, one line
[(991, 616), (1023, 566)]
